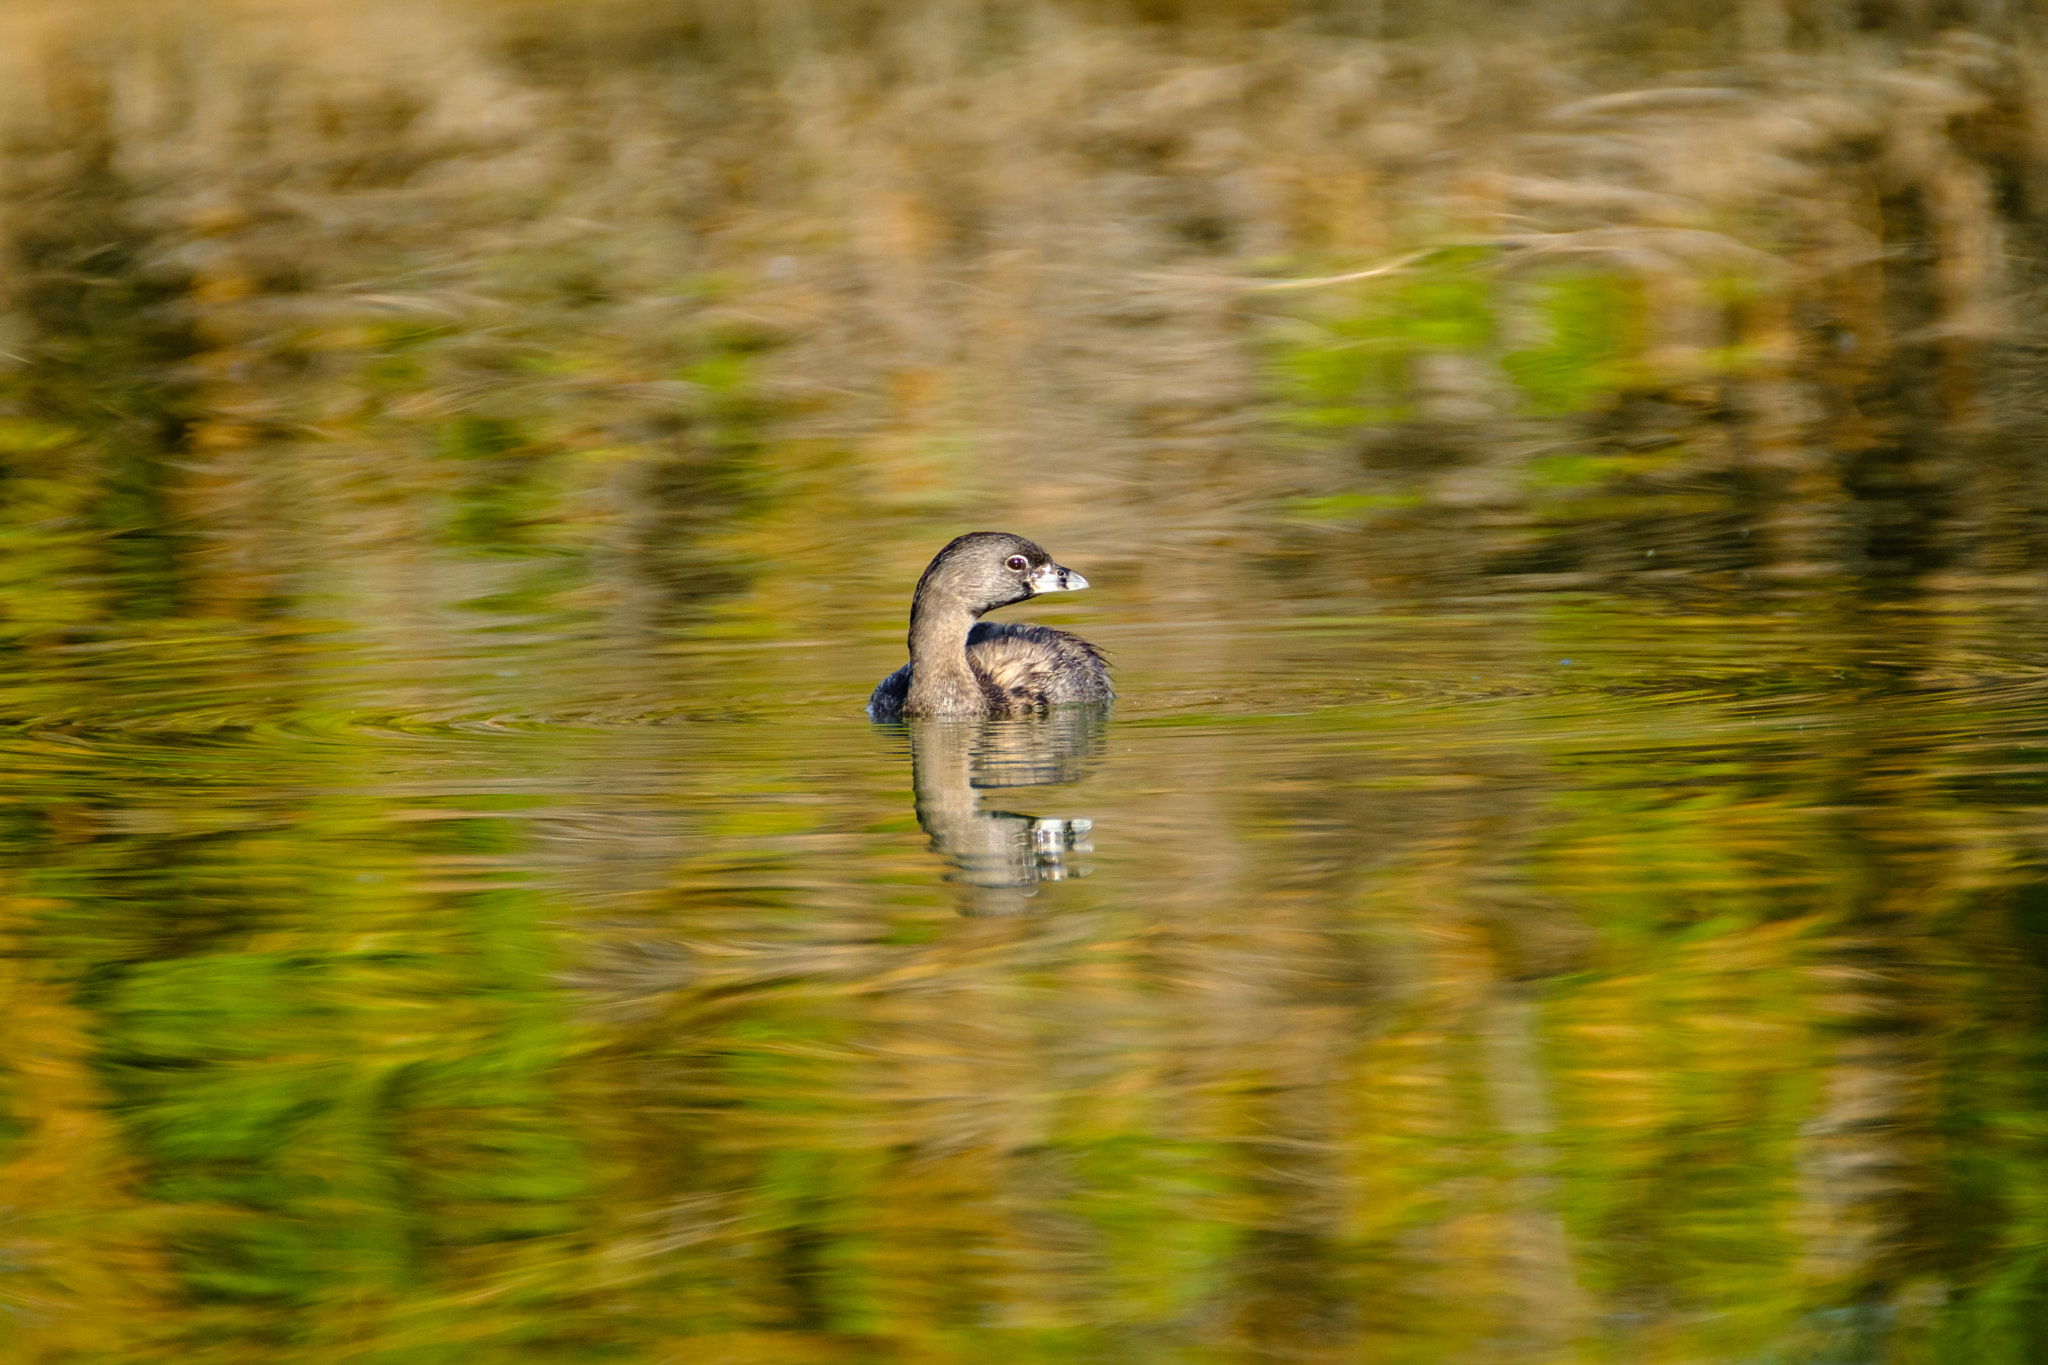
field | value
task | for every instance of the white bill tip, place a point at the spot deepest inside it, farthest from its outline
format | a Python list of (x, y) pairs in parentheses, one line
[(1052, 578)]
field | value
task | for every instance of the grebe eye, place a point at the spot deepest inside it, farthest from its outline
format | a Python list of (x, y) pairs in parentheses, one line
[(1018, 562)]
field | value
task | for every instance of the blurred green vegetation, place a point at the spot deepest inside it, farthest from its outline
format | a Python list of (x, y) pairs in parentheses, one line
[(1355, 365), (1687, 1004), (1575, 897)]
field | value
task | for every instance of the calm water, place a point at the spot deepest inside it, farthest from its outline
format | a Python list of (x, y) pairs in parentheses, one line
[(1548, 977), (1565, 881)]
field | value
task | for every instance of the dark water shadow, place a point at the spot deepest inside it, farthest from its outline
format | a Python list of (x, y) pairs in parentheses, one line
[(1000, 857)]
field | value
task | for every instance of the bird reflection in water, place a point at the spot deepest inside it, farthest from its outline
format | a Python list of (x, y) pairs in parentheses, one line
[(1001, 856)]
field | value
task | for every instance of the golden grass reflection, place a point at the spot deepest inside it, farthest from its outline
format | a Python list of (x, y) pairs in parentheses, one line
[(1562, 489)]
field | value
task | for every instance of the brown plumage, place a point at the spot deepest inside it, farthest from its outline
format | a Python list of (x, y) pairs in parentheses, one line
[(960, 668)]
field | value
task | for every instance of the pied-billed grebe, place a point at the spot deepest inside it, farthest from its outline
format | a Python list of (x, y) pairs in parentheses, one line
[(960, 668)]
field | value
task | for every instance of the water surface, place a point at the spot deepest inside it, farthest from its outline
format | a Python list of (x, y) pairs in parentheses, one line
[(1536, 977), (1565, 880)]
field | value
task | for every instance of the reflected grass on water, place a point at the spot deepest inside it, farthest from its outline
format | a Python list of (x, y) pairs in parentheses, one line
[(1426, 992), (1563, 874)]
